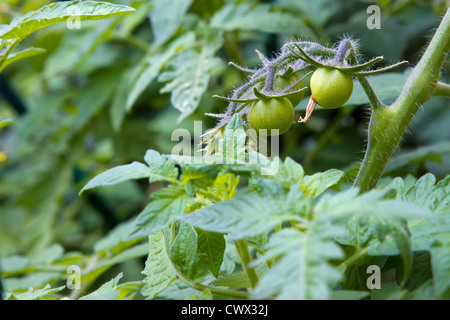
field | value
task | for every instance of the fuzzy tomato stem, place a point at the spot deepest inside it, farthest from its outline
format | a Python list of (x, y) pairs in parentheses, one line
[(388, 123)]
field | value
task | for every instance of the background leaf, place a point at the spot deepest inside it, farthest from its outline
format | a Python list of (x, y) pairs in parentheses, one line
[(247, 17), (165, 18), (187, 75), (21, 27)]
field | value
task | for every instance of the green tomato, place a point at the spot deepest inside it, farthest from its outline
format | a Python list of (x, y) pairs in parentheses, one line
[(282, 82), (331, 88), (270, 114)]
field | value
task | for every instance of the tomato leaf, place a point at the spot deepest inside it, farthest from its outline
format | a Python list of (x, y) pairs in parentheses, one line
[(213, 245), (184, 255), (165, 18), (167, 205), (302, 270), (247, 17), (158, 271), (134, 170), (21, 27), (26, 53)]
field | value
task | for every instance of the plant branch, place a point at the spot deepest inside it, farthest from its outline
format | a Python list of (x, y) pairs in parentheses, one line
[(367, 87), (244, 253), (242, 295), (388, 124), (442, 90), (352, 259)]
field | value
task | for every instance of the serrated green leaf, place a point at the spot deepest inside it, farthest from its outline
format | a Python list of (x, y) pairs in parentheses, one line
[(158, 271), (440, 261), (167, 205), (49, 255), (377, 222), (424, 292), (160, 169), (317, 183), (196, 177), (435, 197), (375, 203), (302, 271), (26, 53), (231, 148), (36, 294), (243, 216), (289, 173), (163, 169), (213, 245), (134, 170), (57, 12), (14, 264), (184, 255), (225, 186), (112, 290)]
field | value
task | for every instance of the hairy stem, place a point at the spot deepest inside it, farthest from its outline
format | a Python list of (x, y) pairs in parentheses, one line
[(367, 87), (442, 90), (244, 253), (241, 295), (387, 124)]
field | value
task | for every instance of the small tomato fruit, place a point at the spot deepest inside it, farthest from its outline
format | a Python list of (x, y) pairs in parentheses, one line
[(270, 114), (331, 88)]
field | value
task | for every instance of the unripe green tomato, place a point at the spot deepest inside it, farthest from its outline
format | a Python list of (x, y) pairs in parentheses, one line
[(282, 82), (331, 88), (272, 113)]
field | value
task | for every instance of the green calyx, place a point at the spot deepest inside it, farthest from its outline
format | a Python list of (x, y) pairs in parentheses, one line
[(340, 61)]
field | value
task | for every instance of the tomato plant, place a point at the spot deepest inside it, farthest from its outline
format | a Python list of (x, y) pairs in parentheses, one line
[(129, 168)]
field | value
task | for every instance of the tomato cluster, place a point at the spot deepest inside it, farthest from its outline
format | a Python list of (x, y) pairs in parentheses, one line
[(330, 88)]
